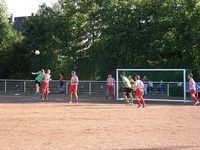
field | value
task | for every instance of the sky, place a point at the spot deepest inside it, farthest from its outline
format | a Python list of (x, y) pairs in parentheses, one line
[(25, 7)]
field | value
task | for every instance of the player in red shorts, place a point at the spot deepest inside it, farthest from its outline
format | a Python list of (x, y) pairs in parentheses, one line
[(110, 86), (139, 91), (193, 89), (73, 86), (45, 85)]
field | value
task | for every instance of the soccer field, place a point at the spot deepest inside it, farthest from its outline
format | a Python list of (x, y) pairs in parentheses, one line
[(27, 124)]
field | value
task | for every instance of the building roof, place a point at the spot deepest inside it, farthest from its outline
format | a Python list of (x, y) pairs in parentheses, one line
[(18, 22)]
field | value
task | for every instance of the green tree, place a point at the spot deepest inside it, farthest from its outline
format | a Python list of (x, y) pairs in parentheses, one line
[(7, 37), (96, 37)]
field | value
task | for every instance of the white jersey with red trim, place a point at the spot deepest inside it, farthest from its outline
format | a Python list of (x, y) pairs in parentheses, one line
[(192, 84), (139, 84), (74, 80), (110, 81), (47, 78)]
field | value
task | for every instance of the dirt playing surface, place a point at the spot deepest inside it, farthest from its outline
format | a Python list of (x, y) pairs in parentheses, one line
[(58, 125)]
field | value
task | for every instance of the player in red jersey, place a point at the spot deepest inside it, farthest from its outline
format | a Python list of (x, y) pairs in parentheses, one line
[(139, 91), (110, 86), (45, 85), (74, 87), (193, 89)]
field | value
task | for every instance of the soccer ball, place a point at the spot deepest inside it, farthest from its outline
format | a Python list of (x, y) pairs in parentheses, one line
[(37, 52)]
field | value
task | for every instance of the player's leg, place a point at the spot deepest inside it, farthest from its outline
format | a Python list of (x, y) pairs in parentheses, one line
[(112, 92), (76, 96), (142, 101), (43, 91), (46, 92), (142, 98), (138, 101), (75, 92), (37, 88), (193, 92), (125, 93), (137, 97), (70, 93), (70, 97), (130, 96), (107, 92)]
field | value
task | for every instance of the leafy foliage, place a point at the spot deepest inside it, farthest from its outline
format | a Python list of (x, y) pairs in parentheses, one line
[(96, 37)]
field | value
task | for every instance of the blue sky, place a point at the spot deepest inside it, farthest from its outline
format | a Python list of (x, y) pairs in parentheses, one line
[(25, 7)]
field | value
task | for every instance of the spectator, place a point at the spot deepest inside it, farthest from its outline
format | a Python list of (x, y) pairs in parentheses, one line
[(61, 82)]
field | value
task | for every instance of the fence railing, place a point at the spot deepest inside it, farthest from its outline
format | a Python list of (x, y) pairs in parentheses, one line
[(165, 90), (28, 86)]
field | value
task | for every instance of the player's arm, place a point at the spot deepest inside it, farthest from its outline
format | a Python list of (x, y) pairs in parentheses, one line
[(50, 78), (135, 86), (123, 85), (76, 80), (34, 73), (142, 85)]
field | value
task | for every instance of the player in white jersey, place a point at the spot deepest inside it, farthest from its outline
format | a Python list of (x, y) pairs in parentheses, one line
[(73, 86), (45, 85), (193, 89), (139, 91), (110, 86)]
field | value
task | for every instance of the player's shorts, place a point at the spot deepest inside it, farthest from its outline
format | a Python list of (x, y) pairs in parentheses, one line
[(37, 82), (193, 91), (45, 85), (139, 92), (128, 90), (73, 88), (111, 87)]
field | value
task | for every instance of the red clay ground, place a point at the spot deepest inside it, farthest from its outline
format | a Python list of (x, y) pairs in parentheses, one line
[(58, 125)]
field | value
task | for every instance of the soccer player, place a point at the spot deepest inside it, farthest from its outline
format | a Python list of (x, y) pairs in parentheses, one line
[(73, 86), (139, 91), (193, 89), (38, 80), (131, 81), (110, 86), (127, 89), (132, 84), (61, 81), (45, 85)]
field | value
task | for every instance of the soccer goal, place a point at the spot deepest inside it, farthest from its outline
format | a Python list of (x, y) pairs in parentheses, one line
[(159, 84)]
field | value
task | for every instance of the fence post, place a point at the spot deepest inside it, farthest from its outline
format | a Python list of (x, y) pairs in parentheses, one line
[(90, 87), (5, 87), (168, 89), (67, 87), (24, 86)]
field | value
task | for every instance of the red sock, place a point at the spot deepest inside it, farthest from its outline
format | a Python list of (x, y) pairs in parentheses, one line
[(113, 95), (138, 101), (47, 91), (142, 100), (42, 92), (195, 99)]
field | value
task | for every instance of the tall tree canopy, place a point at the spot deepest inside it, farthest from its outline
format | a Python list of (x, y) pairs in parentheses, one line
[(7, 37), (95, 37)]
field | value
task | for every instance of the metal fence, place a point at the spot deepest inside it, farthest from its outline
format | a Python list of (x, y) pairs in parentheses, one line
[(168, 90), (28, 86)]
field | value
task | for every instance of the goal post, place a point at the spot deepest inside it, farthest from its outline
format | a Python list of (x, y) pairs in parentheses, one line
[(160, 84)]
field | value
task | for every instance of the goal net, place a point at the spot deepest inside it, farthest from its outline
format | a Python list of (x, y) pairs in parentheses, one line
[(159, 84)]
